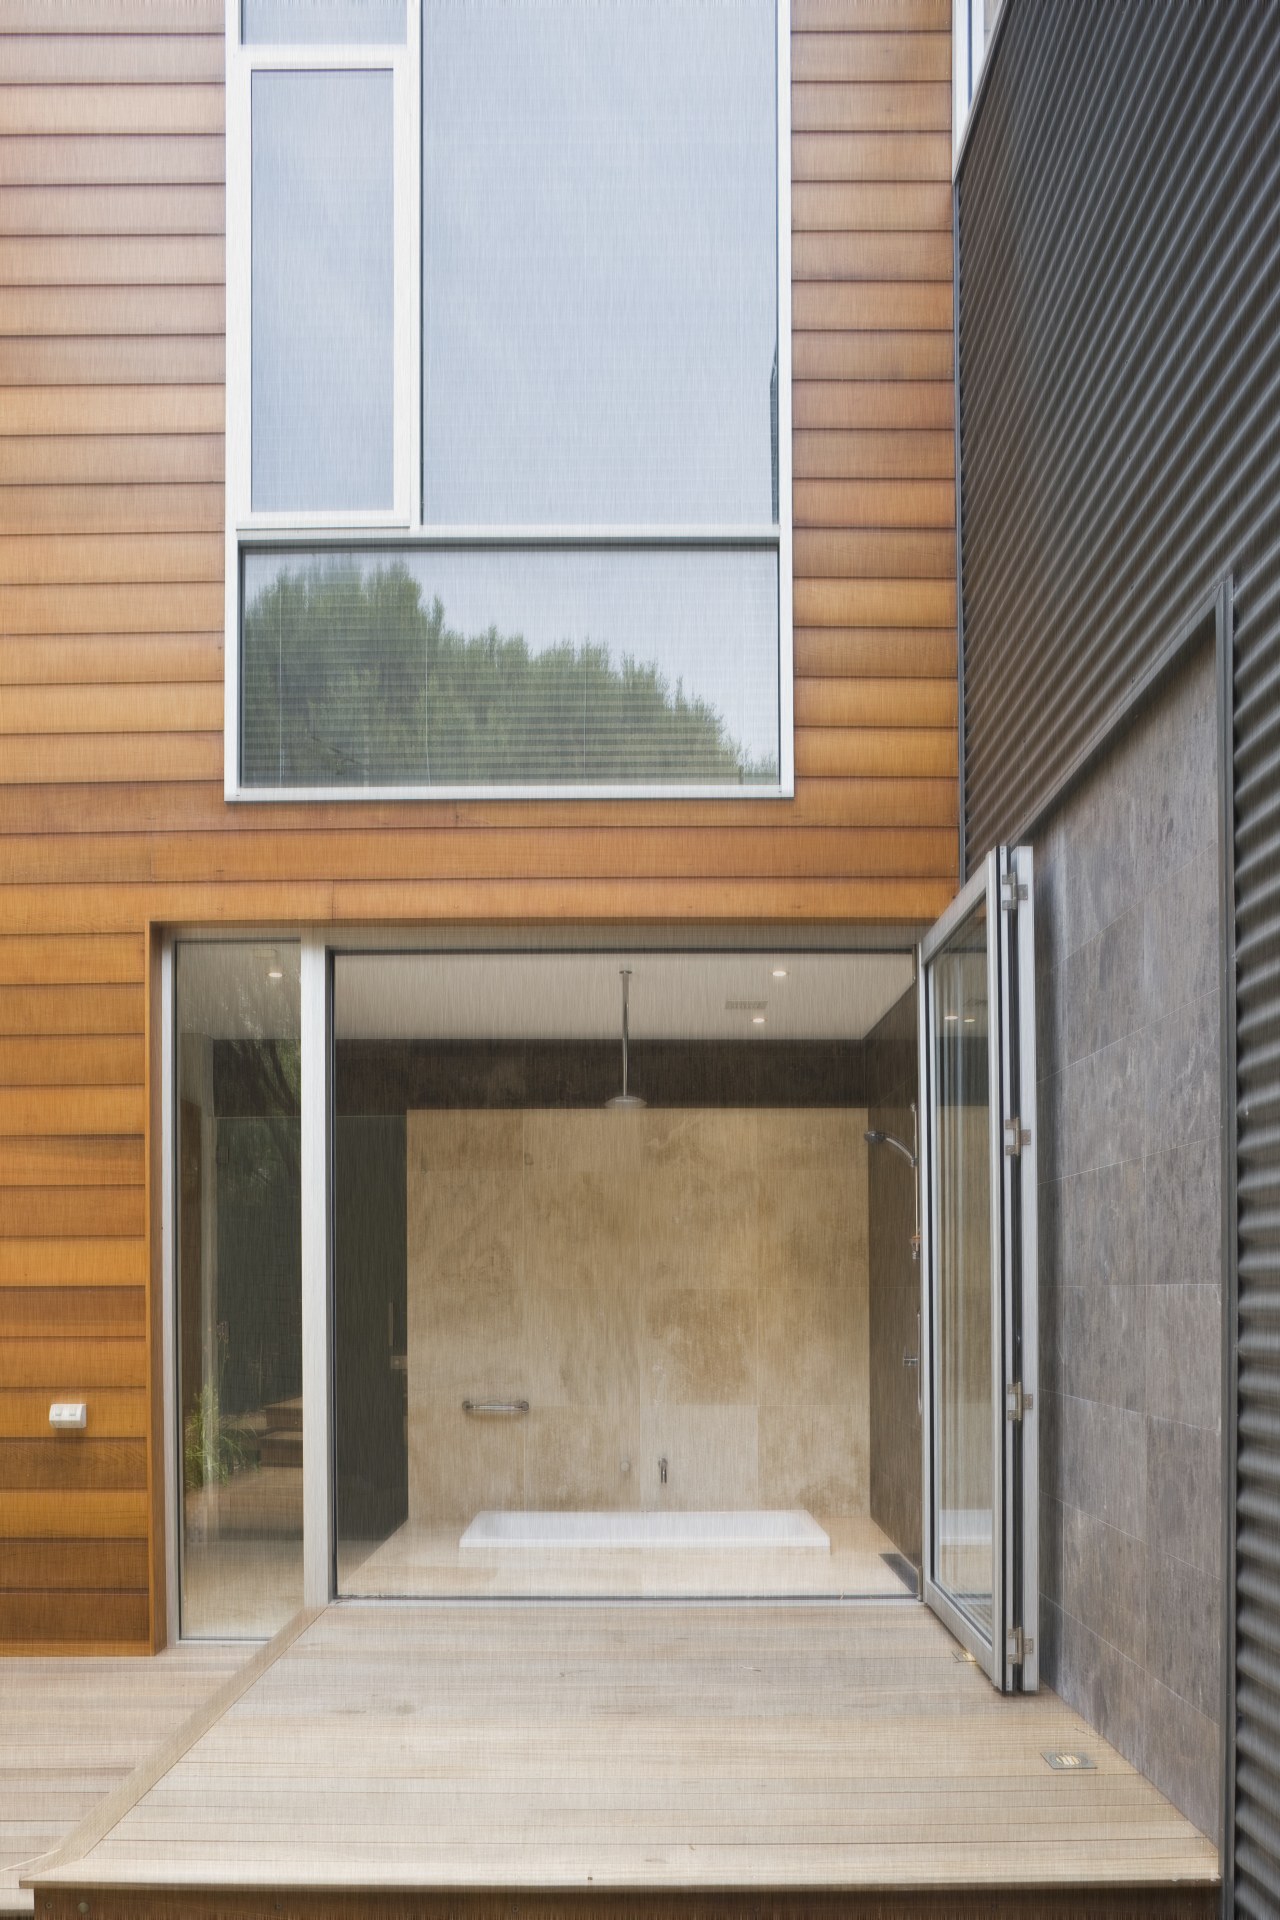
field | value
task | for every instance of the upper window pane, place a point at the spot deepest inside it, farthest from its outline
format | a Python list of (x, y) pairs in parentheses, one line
[(296, 23), (599, 262), (323, 283)]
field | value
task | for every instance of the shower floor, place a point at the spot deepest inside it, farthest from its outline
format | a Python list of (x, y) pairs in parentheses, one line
[(436, 1562)]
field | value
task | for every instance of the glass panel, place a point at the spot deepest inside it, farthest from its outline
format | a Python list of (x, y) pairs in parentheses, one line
[(961, 1122), (508, 667), (323, 285), (239, 1276), (600, 262), (323, 22), (583, 1347)]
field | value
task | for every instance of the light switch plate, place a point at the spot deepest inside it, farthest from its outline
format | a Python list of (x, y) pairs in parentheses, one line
[(68, 1413)]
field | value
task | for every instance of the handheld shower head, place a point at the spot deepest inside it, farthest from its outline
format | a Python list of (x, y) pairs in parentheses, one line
[(875, 1137)]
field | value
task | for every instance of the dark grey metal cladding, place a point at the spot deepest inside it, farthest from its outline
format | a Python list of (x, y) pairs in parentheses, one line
[(1118, 334)]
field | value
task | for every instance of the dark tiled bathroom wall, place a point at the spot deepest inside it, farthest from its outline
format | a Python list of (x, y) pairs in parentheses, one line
[(1127, 930)]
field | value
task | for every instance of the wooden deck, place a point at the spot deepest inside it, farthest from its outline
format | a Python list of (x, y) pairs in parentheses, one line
[(632, 1758), (72, 1729)]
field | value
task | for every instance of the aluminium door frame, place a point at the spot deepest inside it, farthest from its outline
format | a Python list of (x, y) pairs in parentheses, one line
[(984, 886), (1015, 1586)]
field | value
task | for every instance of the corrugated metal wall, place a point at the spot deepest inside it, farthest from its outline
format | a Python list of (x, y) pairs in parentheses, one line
[(1119, 334)]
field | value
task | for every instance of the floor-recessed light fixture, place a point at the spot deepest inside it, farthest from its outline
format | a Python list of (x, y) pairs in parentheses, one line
[(970, 1019), (1063, 1761), (275, 973), (951, 1016), (757, 1019), (779, 973)]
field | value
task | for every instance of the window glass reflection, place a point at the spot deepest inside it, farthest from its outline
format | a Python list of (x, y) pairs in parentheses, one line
[(512, 667), (238, 1264)]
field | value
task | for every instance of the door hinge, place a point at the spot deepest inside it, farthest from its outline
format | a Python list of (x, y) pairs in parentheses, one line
[(1016, 1402), (1012, 891), (1016, 1137), (1018, 1646)]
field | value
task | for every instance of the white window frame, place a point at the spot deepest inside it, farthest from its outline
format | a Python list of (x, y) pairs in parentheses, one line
[(403, 525)]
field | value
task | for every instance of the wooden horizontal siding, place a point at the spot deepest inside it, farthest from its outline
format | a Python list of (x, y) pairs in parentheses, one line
[(112, 817)]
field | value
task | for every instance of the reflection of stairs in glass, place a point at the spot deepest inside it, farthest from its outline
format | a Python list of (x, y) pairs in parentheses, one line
[(281, 1442)]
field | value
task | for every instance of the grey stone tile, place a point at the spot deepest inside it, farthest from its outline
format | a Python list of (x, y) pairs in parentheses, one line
[(1104, 1580), (1106, 1688), (1106, 1114), (1181, 1066), (1122, 1437), (1103, 1354), (1050, 1644), (1105, 996), (1183, 1491), (1047, 861), (1082, 1479), (1172, 764), (1182, 1757), (1050, 1144), (1103, 1226), (1051, 1019), (1049, 1230), (1184, 1355), (1050, 1441), (1051, 1534), (1184, 1215), (1184, 1631), (1180, 937), (1050, 1330), (1101, 873)]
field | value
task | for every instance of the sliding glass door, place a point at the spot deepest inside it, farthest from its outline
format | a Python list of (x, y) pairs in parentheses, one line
[(977, 1098)]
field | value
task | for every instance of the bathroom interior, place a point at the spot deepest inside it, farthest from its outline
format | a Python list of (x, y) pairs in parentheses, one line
[(625, 1296)]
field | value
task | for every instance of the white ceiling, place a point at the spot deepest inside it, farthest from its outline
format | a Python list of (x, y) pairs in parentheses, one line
[(561, 996)]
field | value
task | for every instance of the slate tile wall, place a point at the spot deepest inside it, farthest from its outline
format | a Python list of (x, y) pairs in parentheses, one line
[(1131, 1313)]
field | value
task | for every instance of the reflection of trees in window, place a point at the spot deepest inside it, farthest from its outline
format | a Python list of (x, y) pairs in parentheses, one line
[(350, 680)]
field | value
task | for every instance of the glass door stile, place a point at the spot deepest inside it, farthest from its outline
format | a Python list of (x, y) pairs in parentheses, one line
[(977, 1069)]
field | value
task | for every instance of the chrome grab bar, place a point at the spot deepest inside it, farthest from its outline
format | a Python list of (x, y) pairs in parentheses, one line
[(498, 1407)]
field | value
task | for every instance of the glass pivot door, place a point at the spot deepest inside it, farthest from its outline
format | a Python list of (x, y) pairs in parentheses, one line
[(980, 1397)]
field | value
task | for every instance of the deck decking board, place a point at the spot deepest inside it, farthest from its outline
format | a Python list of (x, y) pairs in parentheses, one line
[(629, 1746)]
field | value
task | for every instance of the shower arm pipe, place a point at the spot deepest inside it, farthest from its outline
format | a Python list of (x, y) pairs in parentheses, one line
[(877, 1137), (626, 1025)]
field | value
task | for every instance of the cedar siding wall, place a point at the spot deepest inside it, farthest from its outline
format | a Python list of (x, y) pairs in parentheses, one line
[(111, 605)]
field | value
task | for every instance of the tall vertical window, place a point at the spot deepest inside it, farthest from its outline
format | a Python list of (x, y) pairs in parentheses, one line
[(238, 1262), (509, 402)]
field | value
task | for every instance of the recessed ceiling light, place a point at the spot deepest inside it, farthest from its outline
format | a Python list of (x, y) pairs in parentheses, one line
[(779, 973)]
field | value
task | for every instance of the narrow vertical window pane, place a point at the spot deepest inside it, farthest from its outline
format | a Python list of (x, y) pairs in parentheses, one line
[(323, 22), (599, 262), (323, 291), (961, 1121), (239, 1279)]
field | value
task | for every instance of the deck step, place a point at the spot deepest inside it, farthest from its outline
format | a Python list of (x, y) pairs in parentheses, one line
[(284, 1416), (280, 1447)]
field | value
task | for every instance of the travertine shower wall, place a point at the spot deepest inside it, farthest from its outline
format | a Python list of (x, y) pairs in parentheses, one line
[(687, 1285)]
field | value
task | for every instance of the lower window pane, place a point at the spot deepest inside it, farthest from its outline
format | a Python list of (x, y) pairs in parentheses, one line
[(239, 1279), (510, 667)]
